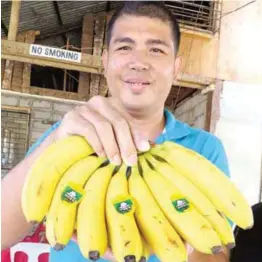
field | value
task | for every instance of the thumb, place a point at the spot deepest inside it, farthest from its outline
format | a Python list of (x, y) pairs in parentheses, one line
[(141, 142)]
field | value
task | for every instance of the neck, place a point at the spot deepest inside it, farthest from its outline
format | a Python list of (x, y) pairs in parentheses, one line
[(148, 123)]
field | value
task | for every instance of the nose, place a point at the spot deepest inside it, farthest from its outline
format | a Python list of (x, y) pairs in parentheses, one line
[(139, 62)]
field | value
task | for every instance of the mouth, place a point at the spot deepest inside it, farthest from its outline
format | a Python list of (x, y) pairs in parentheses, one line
[(137, 86), (137, 82)]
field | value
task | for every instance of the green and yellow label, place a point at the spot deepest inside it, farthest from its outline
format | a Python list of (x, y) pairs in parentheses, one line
[(124, 204), (181, 204), (72, 194)]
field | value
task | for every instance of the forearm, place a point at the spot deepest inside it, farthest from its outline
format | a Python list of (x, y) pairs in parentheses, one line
[(13, 223), (200, 257)]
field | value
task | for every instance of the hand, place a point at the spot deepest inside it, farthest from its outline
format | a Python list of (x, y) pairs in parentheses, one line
[(109, 256), (105, 129), (196, 256)]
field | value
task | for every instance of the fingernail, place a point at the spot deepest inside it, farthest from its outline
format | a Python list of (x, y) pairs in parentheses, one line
[(143, 145), (116, 160), (131, 160), (74, 238)]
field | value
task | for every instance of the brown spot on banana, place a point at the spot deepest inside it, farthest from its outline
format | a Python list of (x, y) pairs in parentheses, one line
[(94, 255), (127, 243), (142, 259), (130, 258), (216, 249), (58, 247)]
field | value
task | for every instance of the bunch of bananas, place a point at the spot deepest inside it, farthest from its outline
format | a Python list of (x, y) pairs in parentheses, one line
[(172, 196)]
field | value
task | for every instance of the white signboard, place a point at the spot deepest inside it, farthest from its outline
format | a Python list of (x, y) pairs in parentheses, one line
[(52, 52)]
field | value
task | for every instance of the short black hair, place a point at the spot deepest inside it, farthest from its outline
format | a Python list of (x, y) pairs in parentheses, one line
[(151, 9)]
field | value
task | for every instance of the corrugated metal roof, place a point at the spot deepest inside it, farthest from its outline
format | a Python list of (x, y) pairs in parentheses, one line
[(2, 33), (42, 15)]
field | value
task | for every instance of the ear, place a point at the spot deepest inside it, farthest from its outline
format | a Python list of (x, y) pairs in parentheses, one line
[(104, 60), (177, 67)]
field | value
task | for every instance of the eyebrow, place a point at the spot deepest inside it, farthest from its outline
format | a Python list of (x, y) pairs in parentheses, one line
[(124, 40), (148, 42), (157, 42)]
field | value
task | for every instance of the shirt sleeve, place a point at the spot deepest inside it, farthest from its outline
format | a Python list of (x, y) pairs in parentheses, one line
[(43, 137), (219, 158)]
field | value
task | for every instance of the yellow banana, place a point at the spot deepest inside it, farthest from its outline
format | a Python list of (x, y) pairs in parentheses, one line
[(146, 251), (196, 197), (124, 236), (91, 224), (61, 217), (156, 229), (190, 224), (220, 190), (45, 173)]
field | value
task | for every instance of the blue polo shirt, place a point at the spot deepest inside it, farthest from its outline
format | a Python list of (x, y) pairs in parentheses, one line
[(196, 139)]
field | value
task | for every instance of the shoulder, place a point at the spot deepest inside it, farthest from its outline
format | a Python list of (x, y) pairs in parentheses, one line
[(43, 137), (200, 140)]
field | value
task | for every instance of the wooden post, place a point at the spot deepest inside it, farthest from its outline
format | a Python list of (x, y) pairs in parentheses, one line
[(12, 32), (98, 46), (86, 45), (14, 20), (215, 108), (17, 76), (65, 71), (2, 68), (30, 39), (103, 89), (208, 111)]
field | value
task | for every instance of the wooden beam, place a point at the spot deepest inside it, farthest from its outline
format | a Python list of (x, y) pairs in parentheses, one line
[(89, 63), (190, 30), (56, 93), (20, 52), (12, 32), (62, 30), (16, 108)]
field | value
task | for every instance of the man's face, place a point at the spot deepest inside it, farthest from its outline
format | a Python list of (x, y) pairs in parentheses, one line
[(140, 63)]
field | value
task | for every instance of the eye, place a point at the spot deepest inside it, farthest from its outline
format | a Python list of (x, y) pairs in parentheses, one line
[(156, 50), (124, 48)]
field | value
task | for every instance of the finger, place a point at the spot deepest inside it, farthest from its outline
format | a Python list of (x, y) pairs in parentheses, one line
[(141, 142), (109, 256), (75, 124), (74, 237), (122, 133), (104, 131)]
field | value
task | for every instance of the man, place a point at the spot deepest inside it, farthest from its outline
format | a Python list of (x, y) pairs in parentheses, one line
[(140, 64)]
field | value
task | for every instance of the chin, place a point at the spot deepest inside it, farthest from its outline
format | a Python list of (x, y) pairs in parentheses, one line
[(135, 103)]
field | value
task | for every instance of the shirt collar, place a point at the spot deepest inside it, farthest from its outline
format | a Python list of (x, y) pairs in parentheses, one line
[(174, 129)]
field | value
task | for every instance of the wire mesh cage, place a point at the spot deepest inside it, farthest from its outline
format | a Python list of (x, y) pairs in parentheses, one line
[(14, 137), (200, 15)]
